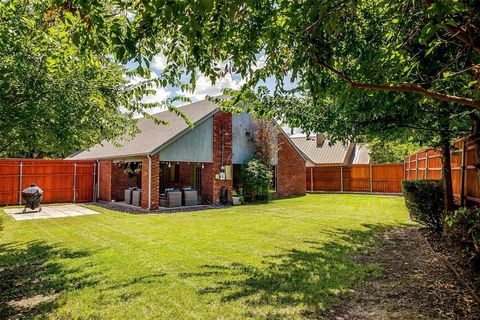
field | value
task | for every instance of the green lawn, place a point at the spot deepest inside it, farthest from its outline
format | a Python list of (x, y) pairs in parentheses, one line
[(288, 259)]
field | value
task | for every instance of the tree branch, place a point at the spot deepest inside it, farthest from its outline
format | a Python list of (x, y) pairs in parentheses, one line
[(459, 32), (463, 36), (411, 88)]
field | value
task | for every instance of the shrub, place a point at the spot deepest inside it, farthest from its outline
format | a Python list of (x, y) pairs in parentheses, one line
[(464, 226), (256, 179), (424, 201)]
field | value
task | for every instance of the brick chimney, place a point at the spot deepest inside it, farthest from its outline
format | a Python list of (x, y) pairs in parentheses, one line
[(320, 140)]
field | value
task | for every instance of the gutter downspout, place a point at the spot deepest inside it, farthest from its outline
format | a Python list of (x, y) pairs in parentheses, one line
[(149, 180), (98, 182), (222, 141)]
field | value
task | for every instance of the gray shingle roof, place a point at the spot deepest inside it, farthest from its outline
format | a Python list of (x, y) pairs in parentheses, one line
[(151, 136), (326, 154)]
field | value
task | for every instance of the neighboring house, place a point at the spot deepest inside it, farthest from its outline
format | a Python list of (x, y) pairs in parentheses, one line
[(320, 152), (206, 157)]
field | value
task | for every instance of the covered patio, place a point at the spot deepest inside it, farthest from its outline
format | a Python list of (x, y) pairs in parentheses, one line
[(178, 166)]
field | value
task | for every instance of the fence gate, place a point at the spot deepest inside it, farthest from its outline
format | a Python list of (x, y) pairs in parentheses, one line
[(61, 180)]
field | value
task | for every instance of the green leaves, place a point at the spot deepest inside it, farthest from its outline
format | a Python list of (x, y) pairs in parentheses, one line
[(256, 179), (205, 6), (55, 99)]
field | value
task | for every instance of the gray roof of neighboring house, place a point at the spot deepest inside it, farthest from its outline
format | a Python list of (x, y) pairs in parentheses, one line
[(361, 154), (336, 153), (326, 154), (152, 136)]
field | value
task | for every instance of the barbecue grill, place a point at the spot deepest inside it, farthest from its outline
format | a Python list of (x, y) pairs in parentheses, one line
[(32, 197)]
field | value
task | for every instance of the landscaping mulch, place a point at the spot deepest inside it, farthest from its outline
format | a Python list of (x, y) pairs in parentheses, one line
[(138, 210), (415, 284)]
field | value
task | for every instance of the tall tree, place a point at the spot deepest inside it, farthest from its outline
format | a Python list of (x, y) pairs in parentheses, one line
[(54, 99), (395, 151), (343, 49), (369, 45)]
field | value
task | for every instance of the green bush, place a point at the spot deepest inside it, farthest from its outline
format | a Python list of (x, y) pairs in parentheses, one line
[(464, 226), (256, 178), (424, 201)]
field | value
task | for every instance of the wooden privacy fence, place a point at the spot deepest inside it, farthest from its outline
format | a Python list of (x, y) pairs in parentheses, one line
[(427, 164), (61, 180), (371, 178)]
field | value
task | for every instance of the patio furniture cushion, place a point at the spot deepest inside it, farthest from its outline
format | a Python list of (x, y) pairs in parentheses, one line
[(190, 197), (174, 199)]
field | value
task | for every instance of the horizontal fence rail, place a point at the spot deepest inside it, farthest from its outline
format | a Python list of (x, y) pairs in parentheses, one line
[(427, 164), (60, 180), (368, 178)]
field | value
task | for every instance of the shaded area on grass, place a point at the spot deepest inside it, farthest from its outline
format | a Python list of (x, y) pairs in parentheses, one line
[(308, 280), (31, 277), (415, 284)]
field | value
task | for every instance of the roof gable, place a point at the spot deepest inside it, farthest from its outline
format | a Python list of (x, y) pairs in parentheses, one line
[(325, 154), (152, 137)]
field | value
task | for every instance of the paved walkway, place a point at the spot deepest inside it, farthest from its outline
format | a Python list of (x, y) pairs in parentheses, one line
[(49, 212)]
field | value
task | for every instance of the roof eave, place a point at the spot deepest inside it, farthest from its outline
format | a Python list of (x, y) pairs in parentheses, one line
[(300, 152), (111, 157)]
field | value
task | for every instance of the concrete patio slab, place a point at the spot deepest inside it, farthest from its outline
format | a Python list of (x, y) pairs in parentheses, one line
[(50, 212)]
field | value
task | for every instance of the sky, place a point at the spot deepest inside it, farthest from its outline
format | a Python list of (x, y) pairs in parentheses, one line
[(203, 86)]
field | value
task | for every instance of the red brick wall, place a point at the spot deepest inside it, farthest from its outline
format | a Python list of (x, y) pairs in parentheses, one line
[(121, 181), (155, 182), (113, 181), (185, 174), (211, 186), (105, 180), (207, 183), (291, 170)]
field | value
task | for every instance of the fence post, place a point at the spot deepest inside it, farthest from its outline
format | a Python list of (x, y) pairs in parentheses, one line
[(311, 178), (20, 176), (74, 182), (94, 198), (404, 169), (341, 178), (416, 166), (371, 178), (462, 173), (409, 167), (426, 165)]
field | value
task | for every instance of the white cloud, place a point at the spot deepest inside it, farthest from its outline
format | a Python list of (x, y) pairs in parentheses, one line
[(159, 62), (205, 87), (160, 95), (261, 63)]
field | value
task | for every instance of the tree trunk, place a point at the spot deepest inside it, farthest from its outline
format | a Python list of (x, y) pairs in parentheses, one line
[(476, 138), (447, 177)]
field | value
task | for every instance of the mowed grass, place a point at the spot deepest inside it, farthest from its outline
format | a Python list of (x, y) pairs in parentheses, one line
[(289, 259)]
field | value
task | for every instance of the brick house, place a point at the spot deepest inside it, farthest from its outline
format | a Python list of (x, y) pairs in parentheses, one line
[(206, 157)]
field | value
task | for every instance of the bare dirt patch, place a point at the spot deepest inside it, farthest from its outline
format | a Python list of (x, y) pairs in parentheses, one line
[(415, 284)]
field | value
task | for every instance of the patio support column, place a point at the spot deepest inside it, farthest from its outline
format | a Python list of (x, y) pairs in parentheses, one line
[(221, 157), (105, 180), (151, 182)]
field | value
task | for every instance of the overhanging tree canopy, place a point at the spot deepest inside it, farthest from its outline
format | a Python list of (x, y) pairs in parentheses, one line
[(372, 45), (54, 98)]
